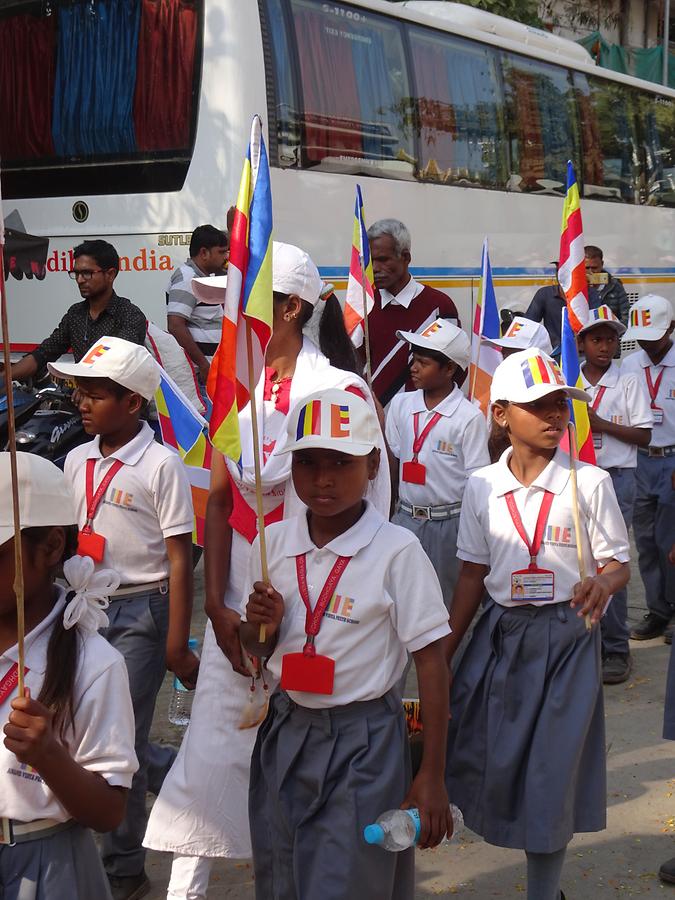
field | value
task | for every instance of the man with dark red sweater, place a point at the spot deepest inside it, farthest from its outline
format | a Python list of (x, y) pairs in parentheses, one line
[(401, 304)]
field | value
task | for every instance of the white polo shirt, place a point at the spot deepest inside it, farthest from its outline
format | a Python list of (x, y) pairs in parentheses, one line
[(663, 435), (404, 297), (455, 446), (388, 602), (148, 500), (102, 740), (488, 537), (624, 402)]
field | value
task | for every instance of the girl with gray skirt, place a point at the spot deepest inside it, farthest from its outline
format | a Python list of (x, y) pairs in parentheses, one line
[(526, 744)]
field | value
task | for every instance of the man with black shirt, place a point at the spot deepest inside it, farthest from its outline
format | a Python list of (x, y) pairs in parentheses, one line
[(100, 312)]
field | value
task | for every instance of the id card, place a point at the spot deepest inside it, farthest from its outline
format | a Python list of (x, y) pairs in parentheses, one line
[(414, 472), (91, 544), (597, 441), (311, 674), (528, 585), (657, 413)]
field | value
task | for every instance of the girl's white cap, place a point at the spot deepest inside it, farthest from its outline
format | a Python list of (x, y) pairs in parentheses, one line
[(121, 361), (649, 319), (333, 420), (528, 375), (45, 497), (442, 337), (522, 334)]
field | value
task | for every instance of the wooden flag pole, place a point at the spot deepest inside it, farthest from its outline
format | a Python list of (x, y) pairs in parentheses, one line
[(11, 433), (256, 466), (571, 435), (366, 332)]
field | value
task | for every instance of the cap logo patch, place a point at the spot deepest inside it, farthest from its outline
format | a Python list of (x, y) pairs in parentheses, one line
[(640, 318), (339, 421), (309, 421), (514, 328), (94, 354), (602, 312), (432, 329), (537, 370)]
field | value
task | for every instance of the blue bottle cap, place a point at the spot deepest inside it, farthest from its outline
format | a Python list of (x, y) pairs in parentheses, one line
[(193, 643), (374, 834)]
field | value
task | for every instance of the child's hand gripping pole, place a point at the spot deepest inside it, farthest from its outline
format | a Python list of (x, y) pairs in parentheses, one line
[(575, 513)]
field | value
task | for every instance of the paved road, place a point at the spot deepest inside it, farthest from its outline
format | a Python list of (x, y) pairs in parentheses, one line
[(620, 862)]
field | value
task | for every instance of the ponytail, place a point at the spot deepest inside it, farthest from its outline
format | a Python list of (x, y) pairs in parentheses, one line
[(334, 342)]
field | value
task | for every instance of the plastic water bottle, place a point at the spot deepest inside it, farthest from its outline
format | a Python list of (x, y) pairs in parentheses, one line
[(180, 704), (398, 829)]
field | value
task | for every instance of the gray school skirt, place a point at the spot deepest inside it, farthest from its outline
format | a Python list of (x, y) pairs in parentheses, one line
[(439, 539), (318, 777), (669, 709), (526, 743), (63, 866)]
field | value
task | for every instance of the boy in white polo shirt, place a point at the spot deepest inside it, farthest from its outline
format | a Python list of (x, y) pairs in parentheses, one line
[(437, 439), (621, 421), (651, 325), (135, 515)]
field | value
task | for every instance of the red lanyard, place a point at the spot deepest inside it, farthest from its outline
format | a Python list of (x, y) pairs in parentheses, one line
[(314, 616), (598, 397), (9, 682), (94, 497), (653, 387), (421, 438), (542, 518)]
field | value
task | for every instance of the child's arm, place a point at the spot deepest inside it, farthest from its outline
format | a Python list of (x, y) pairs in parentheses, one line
[(465, 601), (628, 434), (179, 658), (265, 607), (86, 795), (427, 791), (593, 592)]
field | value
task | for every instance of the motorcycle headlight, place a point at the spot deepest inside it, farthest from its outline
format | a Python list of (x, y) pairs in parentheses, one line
[(25, 437)]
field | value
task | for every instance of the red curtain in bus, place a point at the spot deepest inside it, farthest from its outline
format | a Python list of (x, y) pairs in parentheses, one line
[(437, 121), (26, 86), (328, 83), (529, 130), (164, 79)]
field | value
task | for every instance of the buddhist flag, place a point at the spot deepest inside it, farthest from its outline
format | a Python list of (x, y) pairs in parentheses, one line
[(571, 369), (572, 262), (360, 276), (484, 357), (248, 300)]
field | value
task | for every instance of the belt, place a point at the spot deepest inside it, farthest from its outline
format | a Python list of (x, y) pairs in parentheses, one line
[(129, 589), (14, 832), (657, 452), (448, 511)]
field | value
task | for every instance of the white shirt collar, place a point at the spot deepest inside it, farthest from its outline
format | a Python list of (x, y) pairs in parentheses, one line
[(35, 642), (404, 297), (553, 478), (297, 539), (130, 453), (446, 407), (668, 359), (610, 378)]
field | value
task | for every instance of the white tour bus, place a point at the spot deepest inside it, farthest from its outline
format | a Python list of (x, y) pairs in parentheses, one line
[(129, 121)]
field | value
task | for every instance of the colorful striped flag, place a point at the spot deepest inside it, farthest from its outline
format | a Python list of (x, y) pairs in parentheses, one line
[(484, 357), (248, 300), (571, 369), (572, 262), (360, 265)]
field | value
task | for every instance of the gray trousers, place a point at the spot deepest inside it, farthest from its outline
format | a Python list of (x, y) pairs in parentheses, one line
[(654, 530), (439, 539), (614, 624), (138, 629)]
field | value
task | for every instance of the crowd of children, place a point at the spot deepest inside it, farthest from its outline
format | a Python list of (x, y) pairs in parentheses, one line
[(533, 540)]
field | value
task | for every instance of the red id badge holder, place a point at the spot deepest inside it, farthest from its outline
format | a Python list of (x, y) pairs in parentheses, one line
[(307, 671), (414, 472), (90, 544), (532, 584)]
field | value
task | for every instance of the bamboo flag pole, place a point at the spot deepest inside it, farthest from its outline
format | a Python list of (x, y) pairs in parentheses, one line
[(366, 331), (256, 466), (571, 434), (11, 432)]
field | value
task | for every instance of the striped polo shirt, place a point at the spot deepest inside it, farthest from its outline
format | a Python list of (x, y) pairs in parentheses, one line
[(204, 319)]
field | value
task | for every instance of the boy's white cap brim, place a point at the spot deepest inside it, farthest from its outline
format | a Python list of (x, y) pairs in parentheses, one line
[(121, 361), (210, 289), (45, 497), (332, 420), (522, 334), (649, 319), (441, 337), (529, 375)]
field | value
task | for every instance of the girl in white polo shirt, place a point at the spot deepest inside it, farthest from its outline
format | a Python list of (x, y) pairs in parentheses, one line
[(67, 755), (352, 595), (526, 747), (437, 438)]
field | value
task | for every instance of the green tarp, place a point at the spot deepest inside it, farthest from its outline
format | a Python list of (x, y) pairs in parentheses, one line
[(644, 63)]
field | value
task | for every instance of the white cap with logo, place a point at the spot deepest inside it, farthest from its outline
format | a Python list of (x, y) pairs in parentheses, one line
[(121, 361), (333, 420), (523, 333), (603, 315), (649, 319), (529, 375), (442, 337), (45, 496)]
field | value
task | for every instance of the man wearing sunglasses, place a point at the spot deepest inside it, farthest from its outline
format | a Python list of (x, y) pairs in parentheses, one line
[(100, 312)]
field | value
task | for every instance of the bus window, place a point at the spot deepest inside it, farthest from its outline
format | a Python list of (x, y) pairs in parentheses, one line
[(352, 103), (657, 127), (459, 113), (73, 122), (540, 122), (610, 147)]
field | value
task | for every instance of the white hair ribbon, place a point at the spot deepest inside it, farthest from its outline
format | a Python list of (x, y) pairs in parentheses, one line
[(87, 607)]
